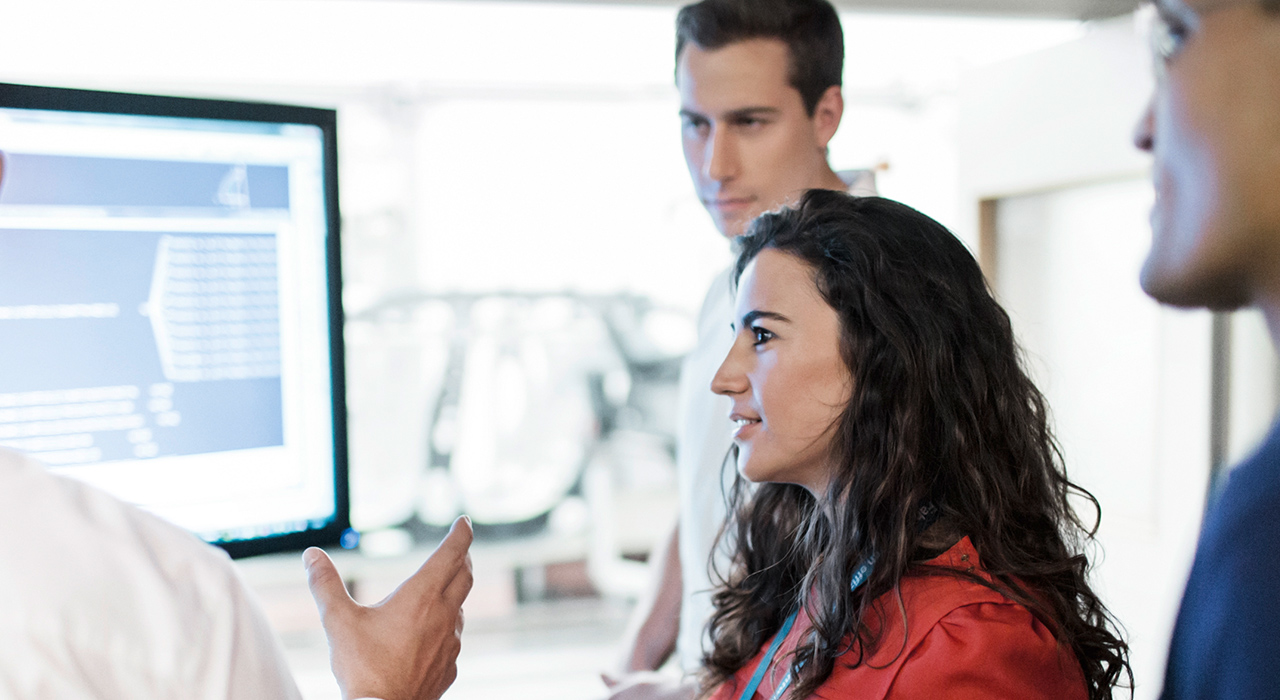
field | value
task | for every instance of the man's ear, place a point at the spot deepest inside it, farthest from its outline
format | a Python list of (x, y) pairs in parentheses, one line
[(827, 114)]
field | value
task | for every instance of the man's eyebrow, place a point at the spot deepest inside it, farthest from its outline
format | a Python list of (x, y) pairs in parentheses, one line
[(740, 113), (1165, 11), (752, 316), (749, 112)]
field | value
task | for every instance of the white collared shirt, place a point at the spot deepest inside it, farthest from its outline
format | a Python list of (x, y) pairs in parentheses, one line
[(101, 600)]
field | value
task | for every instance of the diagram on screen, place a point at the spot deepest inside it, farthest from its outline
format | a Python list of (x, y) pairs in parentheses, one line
[(128, 344)]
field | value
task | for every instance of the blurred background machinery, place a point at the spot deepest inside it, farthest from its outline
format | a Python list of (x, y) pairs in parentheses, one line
[(545, 417)]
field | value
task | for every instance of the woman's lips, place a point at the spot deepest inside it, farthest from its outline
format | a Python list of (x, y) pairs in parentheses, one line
[(746, 427)]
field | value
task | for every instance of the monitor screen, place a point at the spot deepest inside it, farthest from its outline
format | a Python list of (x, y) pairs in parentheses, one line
[(169, 308)]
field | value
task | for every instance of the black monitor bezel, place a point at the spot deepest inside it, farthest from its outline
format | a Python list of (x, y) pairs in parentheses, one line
[(95, 101)]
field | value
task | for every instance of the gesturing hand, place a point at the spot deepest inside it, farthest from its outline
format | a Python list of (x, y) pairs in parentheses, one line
[(406, 647)]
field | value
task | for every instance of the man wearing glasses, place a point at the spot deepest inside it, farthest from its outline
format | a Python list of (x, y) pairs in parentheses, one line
[(1213, 127)]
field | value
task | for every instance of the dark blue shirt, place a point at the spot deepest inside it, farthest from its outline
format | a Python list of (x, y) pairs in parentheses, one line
[(1226, 642)]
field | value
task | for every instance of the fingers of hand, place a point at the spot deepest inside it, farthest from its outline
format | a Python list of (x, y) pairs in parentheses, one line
[(447, 677), (459, 537), (460, 586), (326, 585), (445, 664), (444, 565)]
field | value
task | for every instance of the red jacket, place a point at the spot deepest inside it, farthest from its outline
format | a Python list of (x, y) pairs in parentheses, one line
[(963, 641)]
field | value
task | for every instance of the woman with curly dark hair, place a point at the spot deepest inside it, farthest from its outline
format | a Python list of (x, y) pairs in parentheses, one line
[(912, 534)]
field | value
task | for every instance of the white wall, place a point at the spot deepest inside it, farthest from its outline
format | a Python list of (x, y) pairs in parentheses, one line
[(1060, 116), (1128, 386)]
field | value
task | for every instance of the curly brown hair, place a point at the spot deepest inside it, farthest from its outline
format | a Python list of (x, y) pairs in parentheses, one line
[(941, 412)]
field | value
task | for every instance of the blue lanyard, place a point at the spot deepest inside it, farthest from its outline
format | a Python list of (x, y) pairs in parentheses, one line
[(927, 516), (754, 683), (860, 577)]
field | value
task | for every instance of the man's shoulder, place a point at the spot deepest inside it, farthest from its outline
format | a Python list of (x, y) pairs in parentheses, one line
[(73, 526), (1227, 635), (1247, 512), (1238, 557), (101, 599)]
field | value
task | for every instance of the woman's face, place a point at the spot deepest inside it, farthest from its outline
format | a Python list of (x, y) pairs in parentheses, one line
[(785, 374)]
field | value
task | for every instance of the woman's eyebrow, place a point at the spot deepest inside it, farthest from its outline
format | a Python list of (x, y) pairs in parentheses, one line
[(756, 314)]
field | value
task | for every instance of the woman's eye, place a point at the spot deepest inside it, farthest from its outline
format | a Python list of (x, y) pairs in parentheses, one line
[(762, 336)]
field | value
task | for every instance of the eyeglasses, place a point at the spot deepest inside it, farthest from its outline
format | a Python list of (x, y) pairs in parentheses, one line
[(1167, 38), (1170, 30)]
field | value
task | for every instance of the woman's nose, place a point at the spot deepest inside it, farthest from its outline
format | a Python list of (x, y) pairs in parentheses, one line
[(730, 378)]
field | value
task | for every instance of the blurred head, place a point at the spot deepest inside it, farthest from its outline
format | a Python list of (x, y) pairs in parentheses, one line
[(760, 98), (1213, 127), (872, 373)]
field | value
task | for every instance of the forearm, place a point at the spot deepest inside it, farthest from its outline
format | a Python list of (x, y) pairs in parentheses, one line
[(655, 624)]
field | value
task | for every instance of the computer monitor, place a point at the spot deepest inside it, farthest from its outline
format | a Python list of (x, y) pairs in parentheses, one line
[(170, 319)]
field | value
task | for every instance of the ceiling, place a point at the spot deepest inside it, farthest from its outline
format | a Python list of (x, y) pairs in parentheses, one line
[(1064, 9), (1074, 9)]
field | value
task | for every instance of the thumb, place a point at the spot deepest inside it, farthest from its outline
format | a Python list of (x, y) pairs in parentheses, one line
[(326, 585), (609, 680)]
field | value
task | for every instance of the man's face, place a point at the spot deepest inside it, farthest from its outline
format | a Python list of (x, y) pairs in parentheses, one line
[(1213, 127), (748, 141)]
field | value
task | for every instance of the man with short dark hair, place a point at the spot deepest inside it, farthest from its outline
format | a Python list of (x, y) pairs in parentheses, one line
[(1213, 127), (760, 99)]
